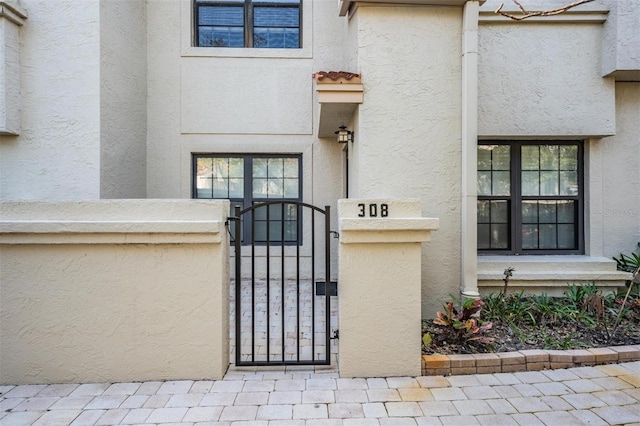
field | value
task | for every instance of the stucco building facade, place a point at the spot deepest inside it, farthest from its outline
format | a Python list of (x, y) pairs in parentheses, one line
[(113, 99)]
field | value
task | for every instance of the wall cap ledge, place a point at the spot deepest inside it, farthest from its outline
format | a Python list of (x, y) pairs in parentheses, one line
[(12, 12)]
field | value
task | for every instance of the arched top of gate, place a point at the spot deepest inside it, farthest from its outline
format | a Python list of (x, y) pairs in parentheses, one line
[(281, 202)]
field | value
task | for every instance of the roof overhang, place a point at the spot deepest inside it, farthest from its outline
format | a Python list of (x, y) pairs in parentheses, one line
[(347, 5)]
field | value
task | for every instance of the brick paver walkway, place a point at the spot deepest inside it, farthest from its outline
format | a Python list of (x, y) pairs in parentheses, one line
[(606, 394)]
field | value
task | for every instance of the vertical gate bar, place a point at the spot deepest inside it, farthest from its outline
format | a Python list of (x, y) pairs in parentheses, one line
[(298, 210), (253, 287), (282, 277), (313, 284), (238, 246), (268, 280), (327, 286)]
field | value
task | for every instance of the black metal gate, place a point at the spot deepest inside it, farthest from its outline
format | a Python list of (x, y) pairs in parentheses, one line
[(280, 316)]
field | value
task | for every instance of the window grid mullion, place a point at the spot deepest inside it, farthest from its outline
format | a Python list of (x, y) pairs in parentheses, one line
[(516, 182), (248, 25)]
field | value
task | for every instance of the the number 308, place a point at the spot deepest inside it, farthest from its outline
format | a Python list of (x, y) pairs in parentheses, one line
[(373, 210)]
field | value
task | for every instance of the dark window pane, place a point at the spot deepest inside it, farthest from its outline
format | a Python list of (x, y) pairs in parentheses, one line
[(275, 230), (549, 182), (484, 157), (221, 16), (500, 236), (501, 183), (484, 183), (530, 157), (236, 188), (484, 211), (277, 1), (529, 212), (260, 231), (547, 211), (547, 237), (567, 237), (291, 188), (531, 183), (569, 157), (499, 212), (501, 157), (529, 237), (291, 231), (276, 167), (284, 17), (569, 183), (549, 157), (220, 188), (566, 211), (484, 236), (221, 37)]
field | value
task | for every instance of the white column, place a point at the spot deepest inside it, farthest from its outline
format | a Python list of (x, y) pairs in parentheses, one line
[(469, 273)]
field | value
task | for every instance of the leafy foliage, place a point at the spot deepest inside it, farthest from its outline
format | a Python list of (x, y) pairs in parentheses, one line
[(583, 316), (629, 263), (462, 326)]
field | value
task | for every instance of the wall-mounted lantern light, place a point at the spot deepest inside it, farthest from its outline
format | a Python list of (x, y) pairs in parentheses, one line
[(344, 135)]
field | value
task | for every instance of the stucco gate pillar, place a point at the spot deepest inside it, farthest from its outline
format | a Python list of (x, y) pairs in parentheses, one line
[(380, 286)]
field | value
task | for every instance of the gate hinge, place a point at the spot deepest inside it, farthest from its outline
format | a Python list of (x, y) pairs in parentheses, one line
[(336, 334), (335, 234)]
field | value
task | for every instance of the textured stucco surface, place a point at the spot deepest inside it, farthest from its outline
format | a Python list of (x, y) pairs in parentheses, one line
[(380, 288), (9, 76), (621, 41), (123, 99), (57, 155), (543, 80), (409, 127), (621, 181), (105, 312)]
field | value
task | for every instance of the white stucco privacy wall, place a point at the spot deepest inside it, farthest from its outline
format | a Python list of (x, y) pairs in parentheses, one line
[(123, 98), (409, 127), (113, 291), (57, 155)]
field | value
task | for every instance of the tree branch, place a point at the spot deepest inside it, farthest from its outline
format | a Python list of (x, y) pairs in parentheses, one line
[(525, 14)]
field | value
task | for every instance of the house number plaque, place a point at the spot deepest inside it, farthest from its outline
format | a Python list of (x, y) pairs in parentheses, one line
[(373, 210)]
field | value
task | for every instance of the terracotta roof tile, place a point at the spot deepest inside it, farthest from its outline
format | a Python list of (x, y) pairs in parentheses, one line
[(335, 75)]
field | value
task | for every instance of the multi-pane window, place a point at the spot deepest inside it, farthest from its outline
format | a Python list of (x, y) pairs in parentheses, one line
[(249, 179), (247, 23), (530, 197)]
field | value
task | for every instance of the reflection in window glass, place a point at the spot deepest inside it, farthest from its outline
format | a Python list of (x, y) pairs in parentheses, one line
[(274, 24), (267, 178), (537, 205)]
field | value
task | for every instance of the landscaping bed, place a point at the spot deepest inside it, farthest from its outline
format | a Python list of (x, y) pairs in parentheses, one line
[(583, 318)]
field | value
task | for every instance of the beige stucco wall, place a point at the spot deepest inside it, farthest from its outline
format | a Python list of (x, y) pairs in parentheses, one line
[(618, 159), (112, 291), (408, 140), (543, 79), (57, 155), (238, 101), (380, 286), (123, 98), (11, 19)]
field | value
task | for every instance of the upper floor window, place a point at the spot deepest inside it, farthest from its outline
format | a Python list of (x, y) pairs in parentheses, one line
[(530, 197), (247, 23)]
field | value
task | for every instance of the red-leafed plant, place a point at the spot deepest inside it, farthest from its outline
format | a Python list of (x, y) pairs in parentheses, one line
[(462, 326)]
